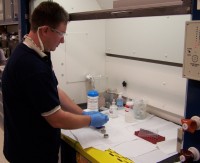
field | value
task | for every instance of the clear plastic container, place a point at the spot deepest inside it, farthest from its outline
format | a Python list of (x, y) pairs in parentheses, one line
[(139, 109)]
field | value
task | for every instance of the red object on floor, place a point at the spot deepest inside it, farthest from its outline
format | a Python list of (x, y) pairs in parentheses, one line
[(149, 136)]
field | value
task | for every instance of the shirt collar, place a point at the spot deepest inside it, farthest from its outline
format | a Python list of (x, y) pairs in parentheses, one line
[(31, 44)]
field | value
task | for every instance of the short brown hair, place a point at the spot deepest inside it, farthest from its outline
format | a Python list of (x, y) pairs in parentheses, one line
[(48, 13)]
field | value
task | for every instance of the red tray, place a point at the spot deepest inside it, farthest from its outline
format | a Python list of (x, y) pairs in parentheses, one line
[(149, 136)]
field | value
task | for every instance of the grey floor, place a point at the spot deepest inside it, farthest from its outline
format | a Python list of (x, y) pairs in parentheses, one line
[(2, 158)]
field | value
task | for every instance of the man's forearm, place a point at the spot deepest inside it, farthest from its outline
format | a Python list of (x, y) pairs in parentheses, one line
[(67, 104)]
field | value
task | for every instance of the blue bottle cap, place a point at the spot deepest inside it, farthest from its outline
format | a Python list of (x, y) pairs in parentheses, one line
[(92, 93)]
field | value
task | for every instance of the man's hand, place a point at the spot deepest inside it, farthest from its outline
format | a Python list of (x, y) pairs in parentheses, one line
[(98, 119)]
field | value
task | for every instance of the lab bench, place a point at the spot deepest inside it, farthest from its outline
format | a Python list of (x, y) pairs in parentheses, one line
[(73, 152)]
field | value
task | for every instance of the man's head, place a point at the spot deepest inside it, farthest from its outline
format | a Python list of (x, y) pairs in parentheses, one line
[(49, 22), (48, 14)]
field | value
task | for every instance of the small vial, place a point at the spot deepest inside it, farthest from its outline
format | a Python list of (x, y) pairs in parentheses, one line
[(113, 113), (105, 135), (103, 130), (120, 102)]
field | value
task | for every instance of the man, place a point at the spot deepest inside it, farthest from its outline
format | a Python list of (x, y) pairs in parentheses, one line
[(35, 108), (2, 56)]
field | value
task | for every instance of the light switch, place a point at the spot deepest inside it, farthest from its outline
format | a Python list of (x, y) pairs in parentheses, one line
[(198, 4)]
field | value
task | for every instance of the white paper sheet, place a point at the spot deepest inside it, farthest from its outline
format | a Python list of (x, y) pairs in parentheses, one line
[(154, 123), (169, 131), (68, 133), (134, 148), (168, 146), (87, 137), (151, 157)]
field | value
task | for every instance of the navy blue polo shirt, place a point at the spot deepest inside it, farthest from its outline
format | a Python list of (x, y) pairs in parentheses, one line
[(29, 88)]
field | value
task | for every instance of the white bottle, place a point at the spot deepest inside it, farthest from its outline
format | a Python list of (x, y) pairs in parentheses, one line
[(113, 113), (92, 100), (120, 102), (129, 114)]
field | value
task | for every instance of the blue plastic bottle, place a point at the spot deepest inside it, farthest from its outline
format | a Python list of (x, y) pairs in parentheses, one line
[(120, 102)]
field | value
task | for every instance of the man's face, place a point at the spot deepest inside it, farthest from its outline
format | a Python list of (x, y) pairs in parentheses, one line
[(55, 36)]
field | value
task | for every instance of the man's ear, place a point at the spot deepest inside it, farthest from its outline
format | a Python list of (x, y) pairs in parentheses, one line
[(45, 29)]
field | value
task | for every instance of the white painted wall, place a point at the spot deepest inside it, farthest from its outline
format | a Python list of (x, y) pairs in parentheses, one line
[(105, 4), (162, 86), (160, 37)]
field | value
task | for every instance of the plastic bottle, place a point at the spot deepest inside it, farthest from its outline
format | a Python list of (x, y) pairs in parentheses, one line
[(130, 103), (129, 114), (113, 110), (92, 100), (120, 102)]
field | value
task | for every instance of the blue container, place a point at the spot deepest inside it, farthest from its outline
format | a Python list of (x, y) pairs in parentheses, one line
[(92, 99)]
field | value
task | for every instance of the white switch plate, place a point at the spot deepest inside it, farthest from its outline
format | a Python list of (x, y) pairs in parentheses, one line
[(198, 4), (191, 63)]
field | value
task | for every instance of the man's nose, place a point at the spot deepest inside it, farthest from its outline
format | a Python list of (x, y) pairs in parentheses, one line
[(62, 40)]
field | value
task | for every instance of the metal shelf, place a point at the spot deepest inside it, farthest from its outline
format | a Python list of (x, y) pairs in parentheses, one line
[(179, 9), (9, 23)]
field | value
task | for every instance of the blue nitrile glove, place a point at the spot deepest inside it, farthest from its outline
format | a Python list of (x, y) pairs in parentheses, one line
[(89, 112), (98, 119)]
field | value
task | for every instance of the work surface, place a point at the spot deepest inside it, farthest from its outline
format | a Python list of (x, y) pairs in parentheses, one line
[(122, 138)]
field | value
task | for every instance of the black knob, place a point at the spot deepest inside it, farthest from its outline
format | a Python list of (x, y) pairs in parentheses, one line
[(124, 84)]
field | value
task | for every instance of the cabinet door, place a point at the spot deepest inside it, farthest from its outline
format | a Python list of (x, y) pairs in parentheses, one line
[(1, 10), (8, 11), (15, 9)]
